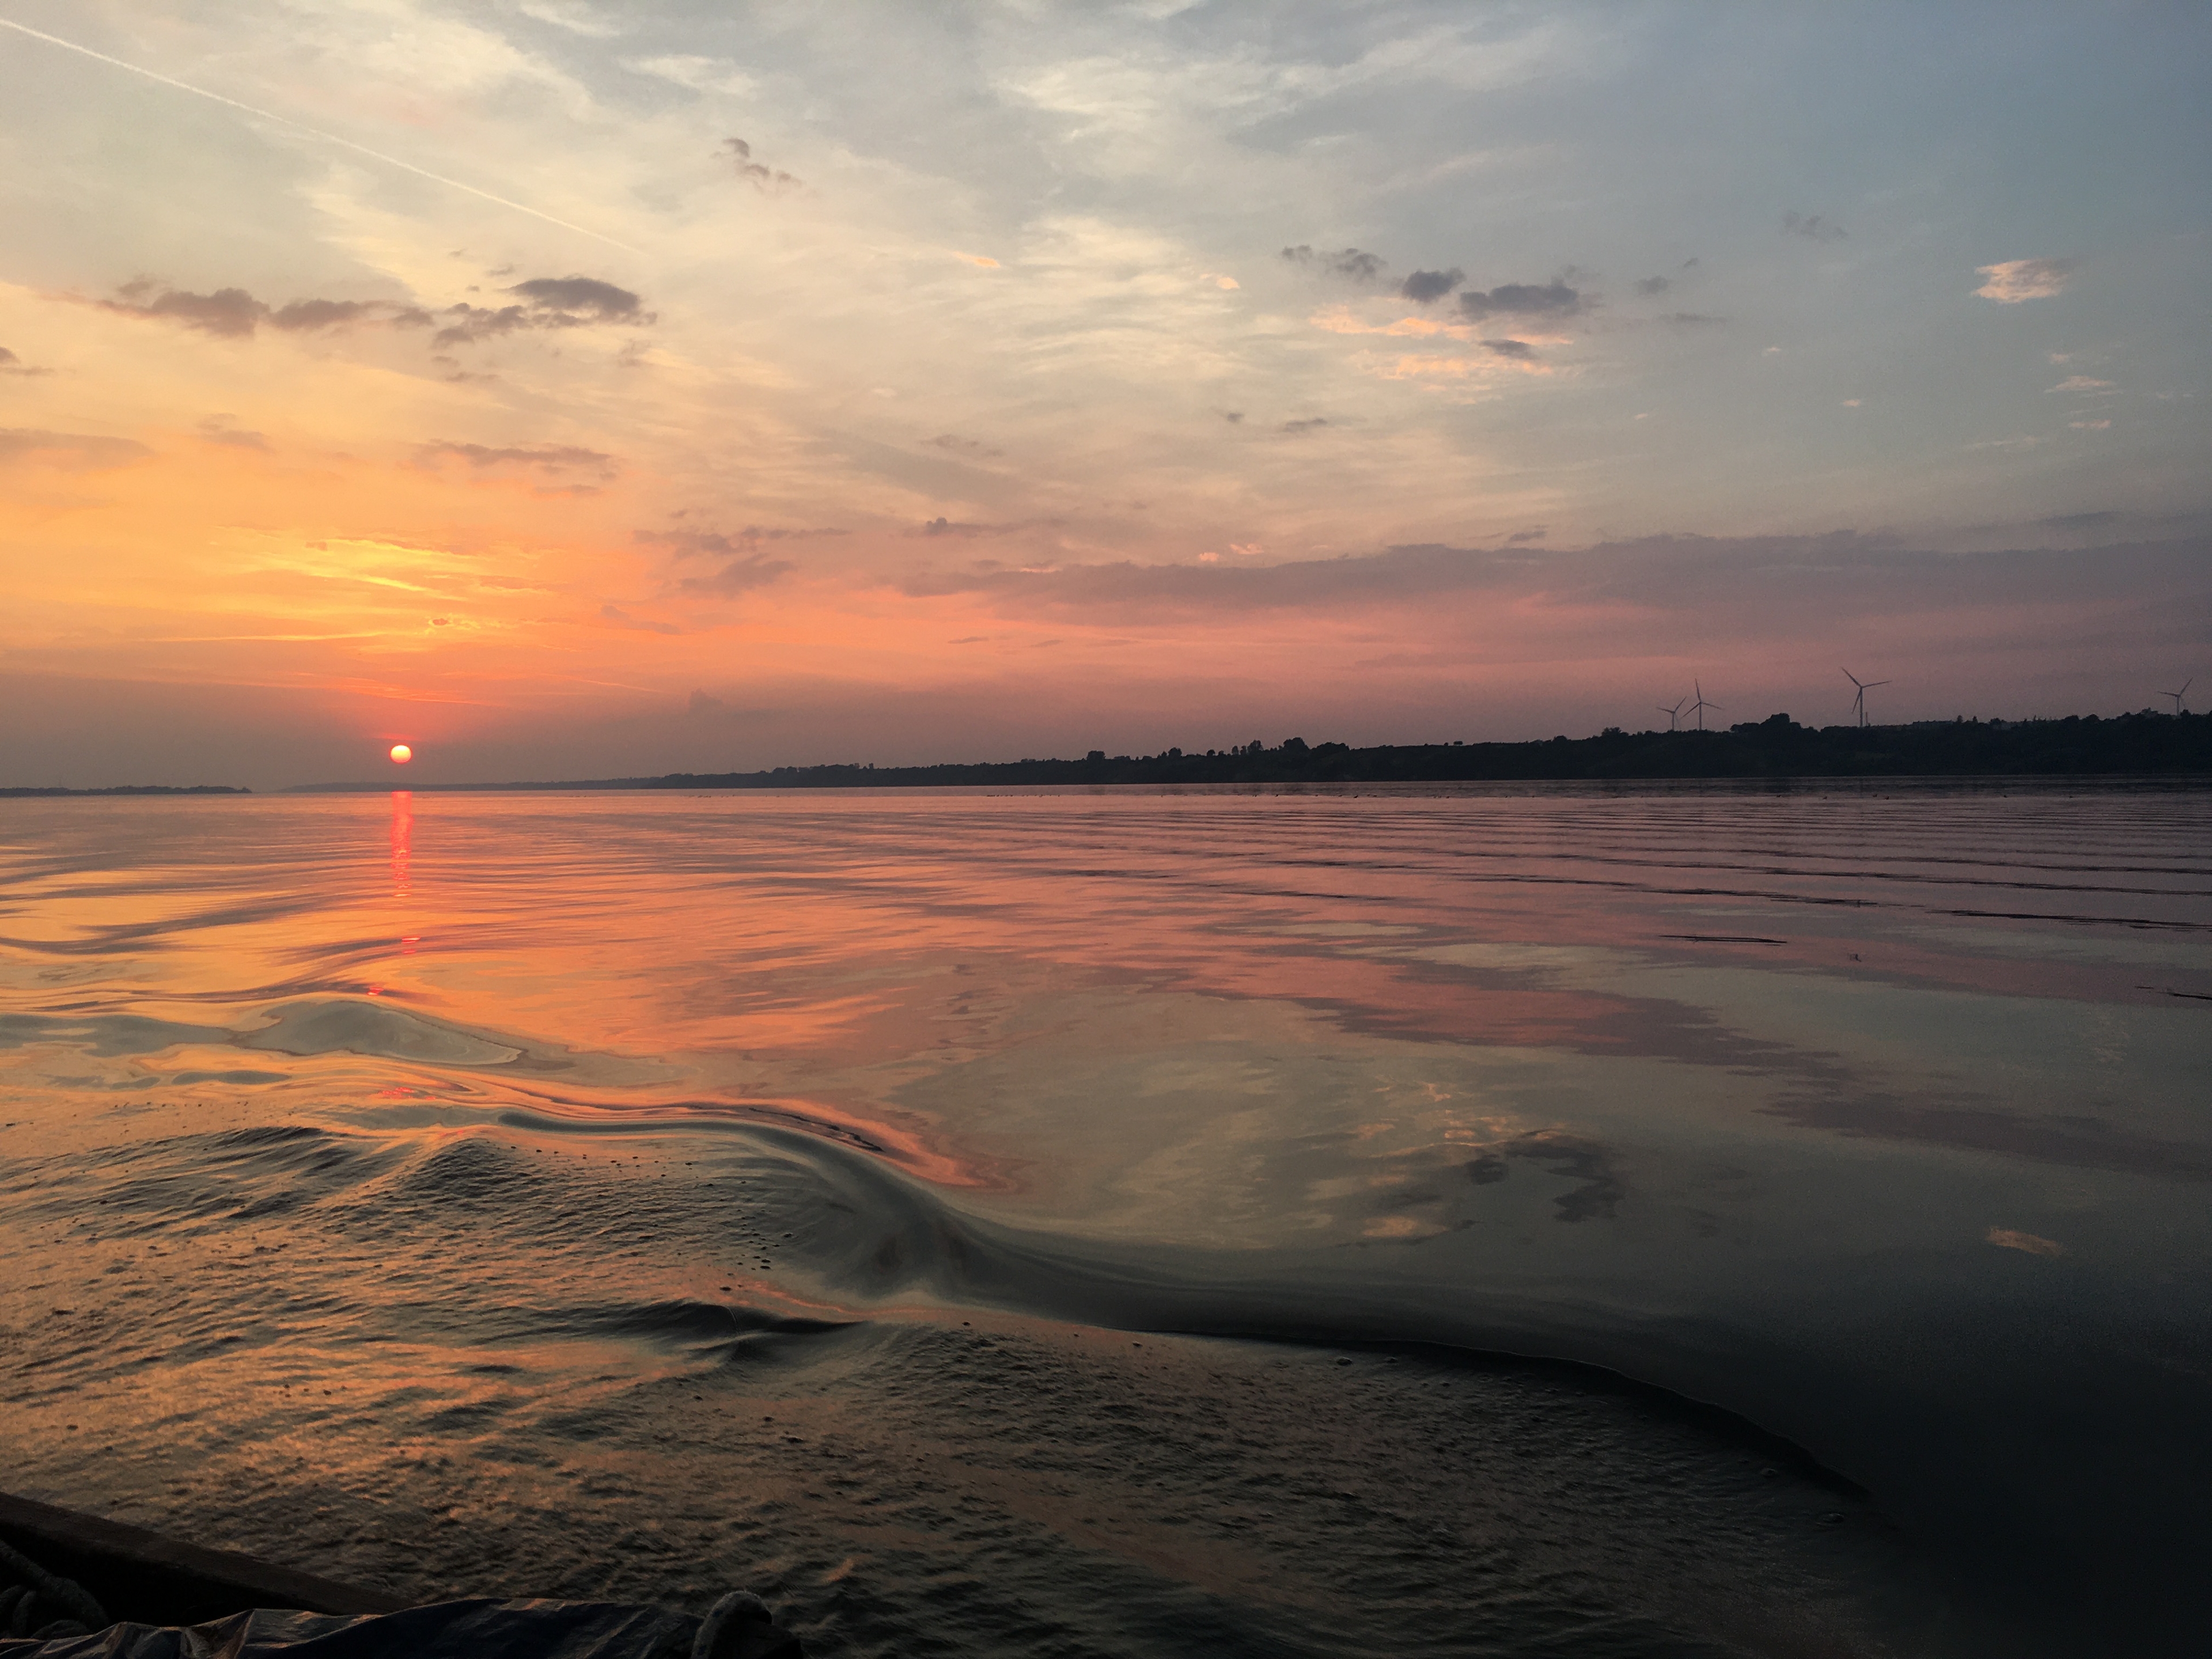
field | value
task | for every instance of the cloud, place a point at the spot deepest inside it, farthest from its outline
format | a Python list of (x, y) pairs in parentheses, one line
[(576, 19), (740, 575), (1522, 537), (962, 446), (621, 618), (1815, 230), (1552, 299), (1347, 262), (1653, 284), (11, 364), (233, 314), (2018, 280), (1234, 416), (556, 464), (1306, 425), (302, 316), (944, 526), (1425, 286), (2008, 1238), (1510, 348), (71, 451), (2081, 383), (767, 180), (1692, 319), (688, 544), (547, 302), (1679, 575), (697, 73), (217, 429)]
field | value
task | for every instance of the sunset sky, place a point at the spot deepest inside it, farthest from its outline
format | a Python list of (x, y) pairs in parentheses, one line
[(576, 390)]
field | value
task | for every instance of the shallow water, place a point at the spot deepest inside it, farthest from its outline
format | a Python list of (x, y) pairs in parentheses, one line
[(1088, 1223)]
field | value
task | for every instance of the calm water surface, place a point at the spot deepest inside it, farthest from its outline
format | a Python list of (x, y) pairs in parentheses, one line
[(1091, 1224)]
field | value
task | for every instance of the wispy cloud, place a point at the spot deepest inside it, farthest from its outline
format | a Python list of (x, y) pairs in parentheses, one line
[(1348, 262), (71, 451), (686, 544), (1814, 227), (740, 575), (558, 467), (616, 617), (2017, 280), (770, 181)]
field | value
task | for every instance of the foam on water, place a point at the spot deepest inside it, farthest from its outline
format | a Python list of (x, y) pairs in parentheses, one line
[(1093, 1224)]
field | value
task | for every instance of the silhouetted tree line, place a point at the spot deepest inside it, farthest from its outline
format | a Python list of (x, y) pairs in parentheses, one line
[(2147, 743)]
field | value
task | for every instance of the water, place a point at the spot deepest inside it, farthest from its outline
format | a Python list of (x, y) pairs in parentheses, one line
[(1097, 1222)]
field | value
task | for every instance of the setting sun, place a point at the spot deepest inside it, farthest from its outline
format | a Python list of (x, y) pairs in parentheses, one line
[(401, 754)]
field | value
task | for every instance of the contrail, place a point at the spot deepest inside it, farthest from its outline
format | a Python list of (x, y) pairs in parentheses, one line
[(312, 133)]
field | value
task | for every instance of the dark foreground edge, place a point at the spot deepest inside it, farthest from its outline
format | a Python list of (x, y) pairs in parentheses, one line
[(153, 1579)]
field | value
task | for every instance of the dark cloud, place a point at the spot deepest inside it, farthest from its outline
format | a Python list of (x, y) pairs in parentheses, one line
[(230, 311), (1232, 415), (1425, 286), (702, 704), (11, 364), (1522, 537), (1552, 299), (1518, 349), (1306, 425), (71, 451), (577, 299), (1815, 228), (942, 526), (546, 302), (767, 180), (688, 544), (1347, 262), (233, 314), (740, 575), (1654, 284), (557, 464)]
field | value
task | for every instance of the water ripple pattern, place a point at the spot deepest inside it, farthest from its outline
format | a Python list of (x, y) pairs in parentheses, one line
[(1455, 1221)]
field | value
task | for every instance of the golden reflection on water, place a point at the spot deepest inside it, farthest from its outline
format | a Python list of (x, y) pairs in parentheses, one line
[(402, 840)]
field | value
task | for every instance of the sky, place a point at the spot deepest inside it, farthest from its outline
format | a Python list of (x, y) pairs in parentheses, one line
[(575, 390)]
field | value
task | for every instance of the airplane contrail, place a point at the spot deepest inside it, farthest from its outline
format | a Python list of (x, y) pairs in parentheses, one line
[(312, 133)]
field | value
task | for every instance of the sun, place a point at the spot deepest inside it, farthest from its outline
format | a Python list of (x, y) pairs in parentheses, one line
[(401, 754)]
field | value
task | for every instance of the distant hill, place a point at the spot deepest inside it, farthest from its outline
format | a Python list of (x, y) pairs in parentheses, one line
[(2148, 744), (132, 789)]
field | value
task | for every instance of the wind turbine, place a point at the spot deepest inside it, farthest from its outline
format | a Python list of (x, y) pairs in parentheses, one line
[(1674, 714), (1699, 707), (2179, 706), (1858, 703)]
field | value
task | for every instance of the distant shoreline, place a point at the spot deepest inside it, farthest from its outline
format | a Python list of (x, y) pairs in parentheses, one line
[(128, 789), (2147, 745), (2139, 745)]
